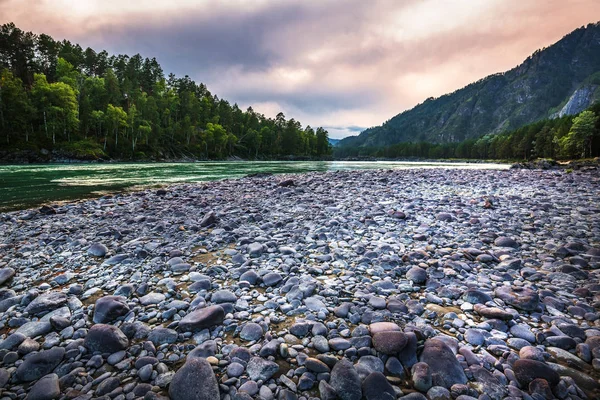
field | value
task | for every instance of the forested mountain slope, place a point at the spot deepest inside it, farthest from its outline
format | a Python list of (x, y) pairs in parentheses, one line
[(562, 79)]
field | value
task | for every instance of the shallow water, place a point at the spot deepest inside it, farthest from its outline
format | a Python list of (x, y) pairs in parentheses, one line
[(24, 186)]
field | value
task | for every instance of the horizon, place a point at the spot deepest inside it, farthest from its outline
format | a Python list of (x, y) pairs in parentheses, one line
[(347, 83)]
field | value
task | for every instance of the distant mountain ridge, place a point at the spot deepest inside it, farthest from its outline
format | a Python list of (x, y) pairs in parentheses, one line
[(562, 79)]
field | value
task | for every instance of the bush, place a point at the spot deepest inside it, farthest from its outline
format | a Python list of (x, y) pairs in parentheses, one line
[(83, 150)]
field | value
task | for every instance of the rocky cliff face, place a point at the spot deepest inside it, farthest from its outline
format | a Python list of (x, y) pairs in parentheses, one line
[(581, 99)]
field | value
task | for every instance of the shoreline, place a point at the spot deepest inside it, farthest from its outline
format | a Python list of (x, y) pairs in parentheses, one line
[(487, 278)]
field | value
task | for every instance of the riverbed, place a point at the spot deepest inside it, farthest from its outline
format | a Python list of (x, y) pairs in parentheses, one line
[(417, 282)]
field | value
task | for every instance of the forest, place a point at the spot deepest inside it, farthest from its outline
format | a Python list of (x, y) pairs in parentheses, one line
[(568, 137), (56, 97)]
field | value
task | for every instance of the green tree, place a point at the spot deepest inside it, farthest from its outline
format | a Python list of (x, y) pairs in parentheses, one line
[(578, 141), (15, 107), (116, 118)]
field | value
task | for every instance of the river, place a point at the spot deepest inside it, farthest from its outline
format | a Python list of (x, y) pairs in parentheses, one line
[(25, 186)]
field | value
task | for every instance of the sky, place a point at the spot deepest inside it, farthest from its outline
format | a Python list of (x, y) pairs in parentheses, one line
[(342, 64)]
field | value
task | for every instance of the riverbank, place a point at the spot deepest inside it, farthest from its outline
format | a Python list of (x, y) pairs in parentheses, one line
[(466, 282)]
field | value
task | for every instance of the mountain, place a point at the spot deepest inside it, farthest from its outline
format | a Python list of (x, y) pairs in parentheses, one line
[(334, 142), (562, 79)]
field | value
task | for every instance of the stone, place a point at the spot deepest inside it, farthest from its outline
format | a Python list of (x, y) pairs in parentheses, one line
[(250, 277), (504, 241), (105, 339), (345, 381), (209, 219), (383, 327), (315, 365), (475, 296), (376, 387), (389, 342), (202, 318), (97, 250), (474, 337), (417, 275), (493, 312), (421, 377), (445, 368), (110, 308), (251, 332), (6, 274), (46, 303), (107, 386), (527, 370), (439, 393), (160, 336), (522, 298), (260, 369), (195, 380), (46, 388), (223, 296), (39, 364), (152, 298), (272, 278)]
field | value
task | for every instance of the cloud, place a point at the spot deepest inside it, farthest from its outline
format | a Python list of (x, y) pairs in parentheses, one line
[(337, 63)]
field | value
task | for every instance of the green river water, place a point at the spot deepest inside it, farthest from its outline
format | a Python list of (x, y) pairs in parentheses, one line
[(25, 186)]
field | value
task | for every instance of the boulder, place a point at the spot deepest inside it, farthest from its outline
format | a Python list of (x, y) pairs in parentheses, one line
[(39, 364), (345, 381), (445, 368), (109, 308), (390, 342), (202, 319), (105, 339), (194, 381)]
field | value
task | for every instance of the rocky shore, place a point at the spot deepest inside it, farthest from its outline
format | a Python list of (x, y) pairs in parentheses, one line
[(410, 284)]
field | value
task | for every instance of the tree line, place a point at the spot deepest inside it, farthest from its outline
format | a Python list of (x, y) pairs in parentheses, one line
[(568, 137), (55, 95)]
